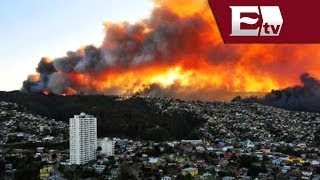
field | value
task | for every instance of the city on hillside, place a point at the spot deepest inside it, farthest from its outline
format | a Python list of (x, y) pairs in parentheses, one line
[(237, 141)]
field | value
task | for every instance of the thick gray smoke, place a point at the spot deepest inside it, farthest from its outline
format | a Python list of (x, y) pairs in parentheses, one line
[(67, 64), (168, 39), (305, 97), (45, 69), (163, 38)]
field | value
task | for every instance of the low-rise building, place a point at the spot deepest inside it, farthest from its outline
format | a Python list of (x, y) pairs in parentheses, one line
[(192, 171), (107, 146)]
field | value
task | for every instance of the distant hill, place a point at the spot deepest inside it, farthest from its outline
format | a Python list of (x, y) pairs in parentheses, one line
[(135, 117)]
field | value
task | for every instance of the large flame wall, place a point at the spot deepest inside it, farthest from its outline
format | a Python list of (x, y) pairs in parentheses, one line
[(177, 52)]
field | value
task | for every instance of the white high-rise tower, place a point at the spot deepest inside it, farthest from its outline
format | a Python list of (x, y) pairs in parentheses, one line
[(83, 138)]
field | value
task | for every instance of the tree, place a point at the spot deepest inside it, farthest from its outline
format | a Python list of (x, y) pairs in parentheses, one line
[(318, 170), (54, 156), (124, 171), (188, 177), (99, 149)]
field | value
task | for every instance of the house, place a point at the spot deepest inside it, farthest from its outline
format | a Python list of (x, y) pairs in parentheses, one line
[(315, 162), (302, 145), (99, 168), (227, 155), (296, 159), (277, 161), (266, 151), (223, 163), (247, 144), (172, 169), (45, 172), (48, 138), (307, 173), (8, 166), (228, 178), (190, 170), (153, 160), (200, 149), (195, 142), (259, 156), (243, 172), (166, 178), (40, 149), (221, 144), (227, 148), (217, 168), (285, 169), (210, 148), (207, 176)]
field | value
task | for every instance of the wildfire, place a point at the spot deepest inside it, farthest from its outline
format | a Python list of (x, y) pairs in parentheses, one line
[(177, 52)]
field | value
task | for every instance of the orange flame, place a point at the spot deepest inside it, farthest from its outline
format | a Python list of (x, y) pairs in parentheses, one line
[(204, 68)]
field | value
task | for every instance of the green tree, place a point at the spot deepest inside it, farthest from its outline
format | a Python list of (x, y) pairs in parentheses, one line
[(188, 177), (124, 171)]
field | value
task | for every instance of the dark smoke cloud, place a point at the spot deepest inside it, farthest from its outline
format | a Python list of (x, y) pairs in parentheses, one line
[(32, 85), (305, 97), (90, 60), (121, 44), (59, 83), (45, 69), (163, 39), (170, 36), (127, 46), (45, 66), (67, 64)]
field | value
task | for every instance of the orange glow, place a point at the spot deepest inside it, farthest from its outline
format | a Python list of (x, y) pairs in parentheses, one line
[(201, 66), (46, 93)]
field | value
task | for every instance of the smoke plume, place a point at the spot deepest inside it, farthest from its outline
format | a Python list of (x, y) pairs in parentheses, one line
[(305, 97), (177, 52)]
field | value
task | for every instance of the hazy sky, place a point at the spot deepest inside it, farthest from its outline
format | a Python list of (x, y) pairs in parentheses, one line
[(31, 29)]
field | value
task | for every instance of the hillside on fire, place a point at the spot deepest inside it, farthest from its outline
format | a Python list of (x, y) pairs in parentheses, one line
[(304, 97), (176, 52), (137, 118)]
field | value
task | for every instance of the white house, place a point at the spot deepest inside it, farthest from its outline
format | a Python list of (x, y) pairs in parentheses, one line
[(166, 178), (247, 144)]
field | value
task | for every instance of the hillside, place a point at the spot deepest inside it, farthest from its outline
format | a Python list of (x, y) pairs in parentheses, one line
[(137, 118)]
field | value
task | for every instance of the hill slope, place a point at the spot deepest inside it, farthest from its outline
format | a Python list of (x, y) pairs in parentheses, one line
[(137, 118)]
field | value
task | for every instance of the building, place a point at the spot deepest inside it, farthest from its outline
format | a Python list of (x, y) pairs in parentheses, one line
[(107, 146), (192, 141), (247, 144), (207, 176), (45, 172), (192, 171), (99, 168), (83, 139), (166, 178)]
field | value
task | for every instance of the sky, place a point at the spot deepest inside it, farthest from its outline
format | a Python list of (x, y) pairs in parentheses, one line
[(31, 29)]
